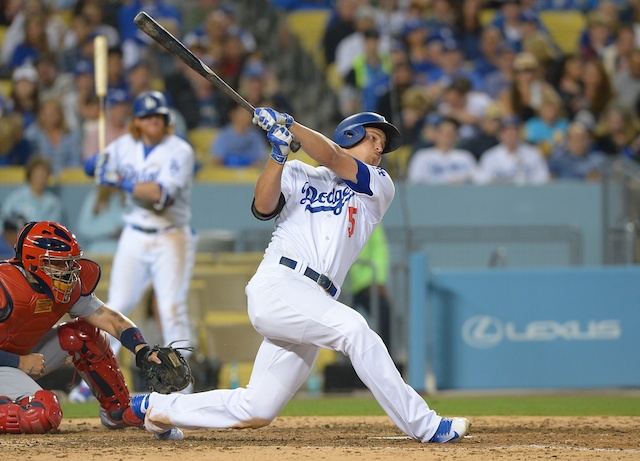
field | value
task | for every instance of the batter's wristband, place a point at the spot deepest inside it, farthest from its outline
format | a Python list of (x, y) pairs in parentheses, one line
[(278, 158), (131, 338)]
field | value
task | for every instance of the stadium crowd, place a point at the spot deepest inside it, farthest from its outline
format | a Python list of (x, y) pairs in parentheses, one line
[(482, 91)]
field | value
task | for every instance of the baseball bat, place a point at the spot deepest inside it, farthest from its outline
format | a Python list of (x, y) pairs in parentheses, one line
[(154, 30), (100, 78)]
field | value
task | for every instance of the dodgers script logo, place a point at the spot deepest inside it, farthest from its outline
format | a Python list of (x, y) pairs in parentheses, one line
[(325, 201)]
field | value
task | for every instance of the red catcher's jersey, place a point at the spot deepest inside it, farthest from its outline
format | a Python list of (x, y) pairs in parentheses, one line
[(26, 315)]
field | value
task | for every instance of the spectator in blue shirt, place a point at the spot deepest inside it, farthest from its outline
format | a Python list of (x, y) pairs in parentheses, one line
[(577, 159), (451, 67), (135, 40), (35, 43), (549, 127), (50, 137), (499, 81), (100, 220), (509, 19), (490, 41), (34, 200), (240, 143)]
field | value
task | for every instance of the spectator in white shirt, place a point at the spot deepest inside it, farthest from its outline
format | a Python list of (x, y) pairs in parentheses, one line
[(512, 161), (442, 163)]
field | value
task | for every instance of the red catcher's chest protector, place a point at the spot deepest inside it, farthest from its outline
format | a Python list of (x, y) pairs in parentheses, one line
[(26, 315)]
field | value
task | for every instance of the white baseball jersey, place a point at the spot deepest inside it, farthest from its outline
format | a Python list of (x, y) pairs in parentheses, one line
[(526, 165), (170, 163), (323, 226), (324, 222), (434, 166), (157, 245)]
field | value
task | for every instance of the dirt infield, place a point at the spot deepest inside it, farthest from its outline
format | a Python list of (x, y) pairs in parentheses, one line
[(344, 438)]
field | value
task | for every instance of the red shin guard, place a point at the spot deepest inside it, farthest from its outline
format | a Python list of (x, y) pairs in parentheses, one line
[(96, 363)]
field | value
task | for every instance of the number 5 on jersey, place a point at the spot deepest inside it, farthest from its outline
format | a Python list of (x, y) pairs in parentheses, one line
[(352, 220)]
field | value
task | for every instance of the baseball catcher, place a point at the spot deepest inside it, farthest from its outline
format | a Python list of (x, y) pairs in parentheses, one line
[(47, 279), (172, 374)]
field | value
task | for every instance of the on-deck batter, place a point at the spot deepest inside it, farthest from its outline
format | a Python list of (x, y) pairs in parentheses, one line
[(324, 216), (157, 246)]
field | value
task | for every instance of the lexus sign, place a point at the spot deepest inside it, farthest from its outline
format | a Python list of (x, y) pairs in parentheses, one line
[(484, 331)]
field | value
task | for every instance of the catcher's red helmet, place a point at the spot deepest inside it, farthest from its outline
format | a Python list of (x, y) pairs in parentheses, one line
[(50, 253)]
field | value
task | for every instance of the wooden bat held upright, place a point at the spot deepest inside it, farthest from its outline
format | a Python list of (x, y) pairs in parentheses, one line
[(154, 30), (100, 78)]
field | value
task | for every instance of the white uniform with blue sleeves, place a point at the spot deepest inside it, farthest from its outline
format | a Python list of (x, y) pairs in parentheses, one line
[(321, 230), (338, 220), (157, 245)]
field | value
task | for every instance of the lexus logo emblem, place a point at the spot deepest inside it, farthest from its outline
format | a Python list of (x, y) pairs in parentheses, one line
[(482, 331)]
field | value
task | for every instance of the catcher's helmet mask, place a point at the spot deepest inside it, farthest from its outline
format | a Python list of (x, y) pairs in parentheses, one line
[(49, 252), (351, 130)]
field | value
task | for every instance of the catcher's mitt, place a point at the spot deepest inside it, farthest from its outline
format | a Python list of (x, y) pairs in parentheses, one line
[(173, 374)]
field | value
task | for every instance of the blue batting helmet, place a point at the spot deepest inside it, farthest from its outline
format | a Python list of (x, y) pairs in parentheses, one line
[(150, 103), (351, 130)]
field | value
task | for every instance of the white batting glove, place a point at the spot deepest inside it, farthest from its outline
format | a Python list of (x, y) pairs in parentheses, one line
[(280, 139), (267, 118)]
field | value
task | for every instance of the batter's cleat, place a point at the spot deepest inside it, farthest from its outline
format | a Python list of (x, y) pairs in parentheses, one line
[(173, 434), (451, 430), (139, 405)]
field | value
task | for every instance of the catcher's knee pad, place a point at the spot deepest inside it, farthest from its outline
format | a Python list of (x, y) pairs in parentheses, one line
[(35, 414), (95, 361)]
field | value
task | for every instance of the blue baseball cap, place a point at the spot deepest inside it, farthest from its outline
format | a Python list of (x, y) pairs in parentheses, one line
[(83, 67), (254, 69), (433, 119), (117, 96), (413, 25)]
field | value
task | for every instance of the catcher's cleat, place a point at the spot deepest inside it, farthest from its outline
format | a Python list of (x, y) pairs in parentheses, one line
[(173, 434), (131, 419), (120, 419), (451, 430)]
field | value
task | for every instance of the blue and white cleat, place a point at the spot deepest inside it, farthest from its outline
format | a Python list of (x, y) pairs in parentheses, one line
[(139, 405), (173, 434), (451, 430)]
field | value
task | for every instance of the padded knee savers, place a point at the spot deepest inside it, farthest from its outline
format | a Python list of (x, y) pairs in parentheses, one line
[(36, 414)]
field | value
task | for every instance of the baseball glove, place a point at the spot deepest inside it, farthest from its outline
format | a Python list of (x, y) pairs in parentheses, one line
[(173, 374)]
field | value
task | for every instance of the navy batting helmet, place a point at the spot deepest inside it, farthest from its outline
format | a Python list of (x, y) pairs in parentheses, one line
[(351, 130), (150, 103)]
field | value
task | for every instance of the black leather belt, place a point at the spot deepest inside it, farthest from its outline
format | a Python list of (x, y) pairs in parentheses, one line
[(148, 230), (321, 279)]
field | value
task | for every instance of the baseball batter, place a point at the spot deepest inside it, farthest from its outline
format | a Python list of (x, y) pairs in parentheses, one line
[(157, 246), (323, 218)]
